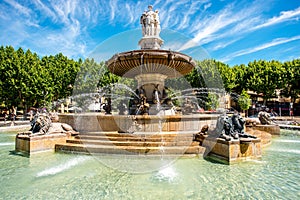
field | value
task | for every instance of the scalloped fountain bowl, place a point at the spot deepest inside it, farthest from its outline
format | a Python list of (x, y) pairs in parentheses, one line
[(133, 63)]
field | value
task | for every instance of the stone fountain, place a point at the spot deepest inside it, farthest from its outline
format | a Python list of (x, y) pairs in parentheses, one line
[(150, 126), (151, 65)]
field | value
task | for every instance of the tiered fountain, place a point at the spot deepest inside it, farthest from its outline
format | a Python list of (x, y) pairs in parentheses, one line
[(152, 121), (151, 126)]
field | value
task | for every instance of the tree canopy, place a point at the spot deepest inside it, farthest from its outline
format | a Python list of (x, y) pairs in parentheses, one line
[(30, 80)]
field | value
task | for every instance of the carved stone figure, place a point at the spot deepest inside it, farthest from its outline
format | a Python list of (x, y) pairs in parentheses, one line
[(232, 128), (156, 95), (150, 22), (199, 137), (123, 109), (107, 107), (143, 23), (156, 24), (40, 124), (238, 123), (224, 125), (265, 118)]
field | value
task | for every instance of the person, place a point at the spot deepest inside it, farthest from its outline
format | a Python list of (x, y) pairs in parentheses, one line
[(6, 114), (13, 115), (62, 108)]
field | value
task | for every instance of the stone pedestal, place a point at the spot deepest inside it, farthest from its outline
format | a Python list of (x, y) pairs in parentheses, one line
[(149, 81), (151, 42), (232, 151), (28, 145), (272, 129)]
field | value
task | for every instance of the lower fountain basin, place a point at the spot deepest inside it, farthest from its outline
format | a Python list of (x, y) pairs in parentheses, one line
[(92, 122)]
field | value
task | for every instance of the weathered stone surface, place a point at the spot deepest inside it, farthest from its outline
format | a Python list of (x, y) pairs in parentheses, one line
[(92, 122), (29, 145), (232, 151), (132, 63), (263, 135), (272, 129), (66, 127), (138, 143)]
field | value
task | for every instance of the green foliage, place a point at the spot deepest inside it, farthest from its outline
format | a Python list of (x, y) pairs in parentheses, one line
[(212, 101), (265, 77), (228, 76), (291, 79), (28, 80), (244, 100), (210, 75), (240, 79), (88, 76)]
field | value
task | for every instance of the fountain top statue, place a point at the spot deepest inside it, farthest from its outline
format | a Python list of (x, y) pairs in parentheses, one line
[(150, 29), (150, 59), (150, 22)]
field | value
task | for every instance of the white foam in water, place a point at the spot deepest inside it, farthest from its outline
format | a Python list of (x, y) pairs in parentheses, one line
[(167, 173), (62, 167), (6, 143), (257, 161), (288, 141), (286, 150)]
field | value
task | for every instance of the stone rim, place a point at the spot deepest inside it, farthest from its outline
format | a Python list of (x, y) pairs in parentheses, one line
[(132, 63)]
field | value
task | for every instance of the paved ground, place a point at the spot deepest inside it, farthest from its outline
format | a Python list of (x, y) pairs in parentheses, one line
[(18, 125)]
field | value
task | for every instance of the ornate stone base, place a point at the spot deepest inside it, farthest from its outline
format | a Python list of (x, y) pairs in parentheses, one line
[(232, 151), (272, 129), (95, 122), (28, 145), (151, 42)]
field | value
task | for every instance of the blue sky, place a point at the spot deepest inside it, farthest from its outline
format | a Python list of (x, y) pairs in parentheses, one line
[(234, 32)]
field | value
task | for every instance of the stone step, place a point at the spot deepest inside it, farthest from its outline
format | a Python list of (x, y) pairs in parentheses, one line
[(140, 134), (130, 150), (137, 139), (153, 138), (133, 143)]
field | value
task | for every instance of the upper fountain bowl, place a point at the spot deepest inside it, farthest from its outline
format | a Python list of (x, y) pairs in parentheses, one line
[(149, 61)]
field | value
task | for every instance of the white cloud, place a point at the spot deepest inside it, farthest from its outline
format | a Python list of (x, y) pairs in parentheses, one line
[(22, 9), (284, 16), (206, 6), (274, 42), (72, 19), (222, 44), (210, 26), (45, 9), (187, 15), (113, 6), (232, 23)]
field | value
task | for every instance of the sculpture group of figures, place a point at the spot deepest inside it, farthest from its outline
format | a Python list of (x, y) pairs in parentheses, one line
[(232, 127), (140, 105), (150, 22)]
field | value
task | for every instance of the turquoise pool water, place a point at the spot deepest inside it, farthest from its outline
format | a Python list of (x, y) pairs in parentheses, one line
[(67, 176)]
